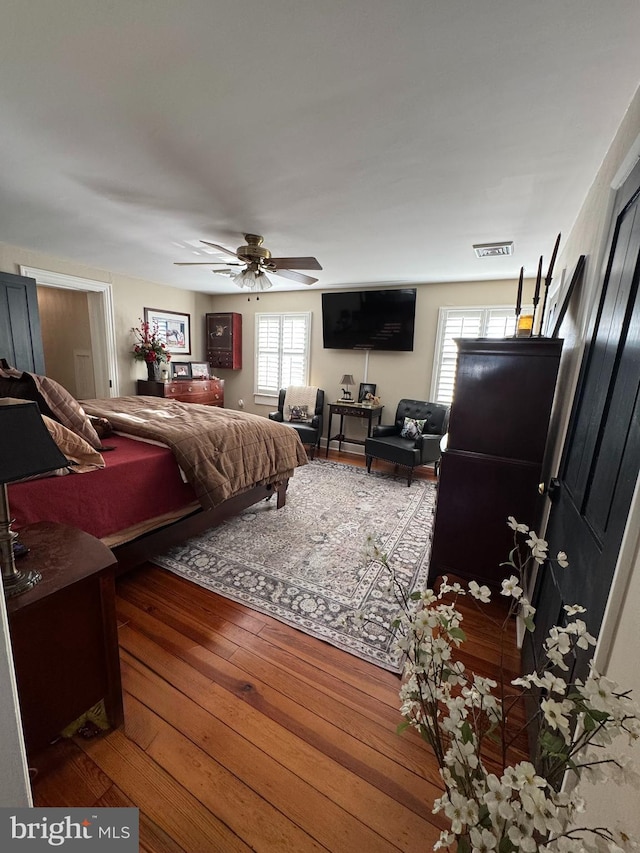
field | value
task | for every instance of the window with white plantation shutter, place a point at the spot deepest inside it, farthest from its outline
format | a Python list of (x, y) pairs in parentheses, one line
[(282, 352), (487, 322)]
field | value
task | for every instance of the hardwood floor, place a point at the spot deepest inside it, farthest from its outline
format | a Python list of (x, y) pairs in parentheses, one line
[(242, 733)]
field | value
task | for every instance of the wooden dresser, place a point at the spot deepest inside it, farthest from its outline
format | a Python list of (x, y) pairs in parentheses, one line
[(207, 392), (492, 466)]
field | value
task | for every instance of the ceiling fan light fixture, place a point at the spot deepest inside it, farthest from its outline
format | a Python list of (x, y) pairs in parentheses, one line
[(253, 280)]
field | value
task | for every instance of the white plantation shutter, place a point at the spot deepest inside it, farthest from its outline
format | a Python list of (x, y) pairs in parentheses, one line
[(282, 351), (487, 322)]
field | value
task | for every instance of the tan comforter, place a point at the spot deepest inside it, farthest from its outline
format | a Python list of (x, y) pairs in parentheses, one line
[(222, 452)]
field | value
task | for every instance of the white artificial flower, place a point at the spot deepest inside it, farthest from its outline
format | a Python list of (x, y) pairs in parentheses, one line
[(526, 609), (538, 547), (599, 692), (555, 713), (482, 840), (572, 609), (523, 841), (445, 840), (497, 797), (482, 593), (519, 528), (563, 562), (510, 587)]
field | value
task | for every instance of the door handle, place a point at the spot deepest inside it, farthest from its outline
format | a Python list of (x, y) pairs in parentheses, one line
[(551, 489)]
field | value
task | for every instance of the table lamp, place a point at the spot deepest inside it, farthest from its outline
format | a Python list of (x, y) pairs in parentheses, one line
[(26, 449), (347, 380)]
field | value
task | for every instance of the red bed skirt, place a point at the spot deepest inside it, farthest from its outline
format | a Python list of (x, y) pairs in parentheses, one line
[(140, 481)]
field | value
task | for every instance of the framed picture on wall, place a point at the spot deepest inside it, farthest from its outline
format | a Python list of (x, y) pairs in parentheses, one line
[(173, 328)]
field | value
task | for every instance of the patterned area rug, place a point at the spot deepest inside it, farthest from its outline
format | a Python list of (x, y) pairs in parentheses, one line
[(305, 564)]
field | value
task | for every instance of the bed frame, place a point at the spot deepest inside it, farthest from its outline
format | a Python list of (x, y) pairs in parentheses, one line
[(138, 551)]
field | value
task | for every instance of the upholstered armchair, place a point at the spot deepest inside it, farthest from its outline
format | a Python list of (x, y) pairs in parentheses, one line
[(310, 428), (413, 439)]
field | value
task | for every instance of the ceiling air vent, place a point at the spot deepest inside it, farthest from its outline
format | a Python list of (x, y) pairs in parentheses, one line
[(493, 250)]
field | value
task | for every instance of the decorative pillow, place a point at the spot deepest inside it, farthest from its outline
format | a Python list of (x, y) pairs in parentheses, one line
[(75, 448), (299, 413), (23, 387), (66, 409), (412, 428), (54, 401)]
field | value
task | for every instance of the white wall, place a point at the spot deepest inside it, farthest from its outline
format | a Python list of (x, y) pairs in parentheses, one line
[(396, 374), (130, 297)]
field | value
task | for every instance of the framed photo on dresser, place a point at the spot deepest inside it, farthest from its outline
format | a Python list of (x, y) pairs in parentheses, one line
[(180, 369), (199, 370)]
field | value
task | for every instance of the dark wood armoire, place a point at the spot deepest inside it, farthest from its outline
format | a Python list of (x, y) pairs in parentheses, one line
[(224, 340), (492, 465)]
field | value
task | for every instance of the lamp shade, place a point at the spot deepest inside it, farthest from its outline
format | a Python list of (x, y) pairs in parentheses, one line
[(26, 447), (347, 379), (253, 280)]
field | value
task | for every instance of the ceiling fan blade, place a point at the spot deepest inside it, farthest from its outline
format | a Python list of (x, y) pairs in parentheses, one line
[(295, 276), (219, 248), (204, 264), (294, 263)]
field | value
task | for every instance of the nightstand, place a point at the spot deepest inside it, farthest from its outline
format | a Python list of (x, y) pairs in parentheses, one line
[(64, 632)]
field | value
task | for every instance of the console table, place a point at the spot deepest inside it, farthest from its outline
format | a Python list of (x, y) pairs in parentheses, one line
[(351, 410), (64, 633)]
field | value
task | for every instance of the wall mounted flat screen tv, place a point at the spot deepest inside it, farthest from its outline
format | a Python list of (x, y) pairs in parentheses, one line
[(369, 319)]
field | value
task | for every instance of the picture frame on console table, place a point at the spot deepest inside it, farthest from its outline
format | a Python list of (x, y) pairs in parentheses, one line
[(366, 388), (173, 328)]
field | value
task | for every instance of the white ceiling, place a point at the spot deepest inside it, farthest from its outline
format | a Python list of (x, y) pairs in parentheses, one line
[(383, 137)]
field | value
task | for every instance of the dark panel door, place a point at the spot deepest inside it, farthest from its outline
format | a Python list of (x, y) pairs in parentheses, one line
[(20, 335), (601, 457)]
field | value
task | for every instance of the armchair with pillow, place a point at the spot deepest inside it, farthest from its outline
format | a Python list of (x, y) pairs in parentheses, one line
[(413, 439), (301, 407)]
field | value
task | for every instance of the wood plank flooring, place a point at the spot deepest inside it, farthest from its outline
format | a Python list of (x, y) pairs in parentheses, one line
[(242, 733)]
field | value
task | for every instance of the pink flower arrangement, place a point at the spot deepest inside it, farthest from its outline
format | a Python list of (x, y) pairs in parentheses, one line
[(149, 346)]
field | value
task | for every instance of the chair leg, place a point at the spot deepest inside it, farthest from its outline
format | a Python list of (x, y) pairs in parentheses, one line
[(312, 450), (410, 476), (369, 460)]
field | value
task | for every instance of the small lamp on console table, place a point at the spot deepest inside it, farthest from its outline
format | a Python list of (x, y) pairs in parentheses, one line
[(26, 449), (347, 380)]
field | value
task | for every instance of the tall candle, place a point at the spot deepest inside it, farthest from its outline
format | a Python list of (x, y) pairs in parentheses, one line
[(519, 299), (553, 260), (536, 295)]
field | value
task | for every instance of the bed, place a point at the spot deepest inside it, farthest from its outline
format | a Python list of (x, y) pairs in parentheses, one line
[(161, 471)]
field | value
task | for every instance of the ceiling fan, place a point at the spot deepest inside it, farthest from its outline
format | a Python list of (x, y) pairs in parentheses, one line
[(255, 262)]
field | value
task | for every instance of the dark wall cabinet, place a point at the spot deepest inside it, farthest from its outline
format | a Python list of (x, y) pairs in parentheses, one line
[(224, 340), (493, 462)]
